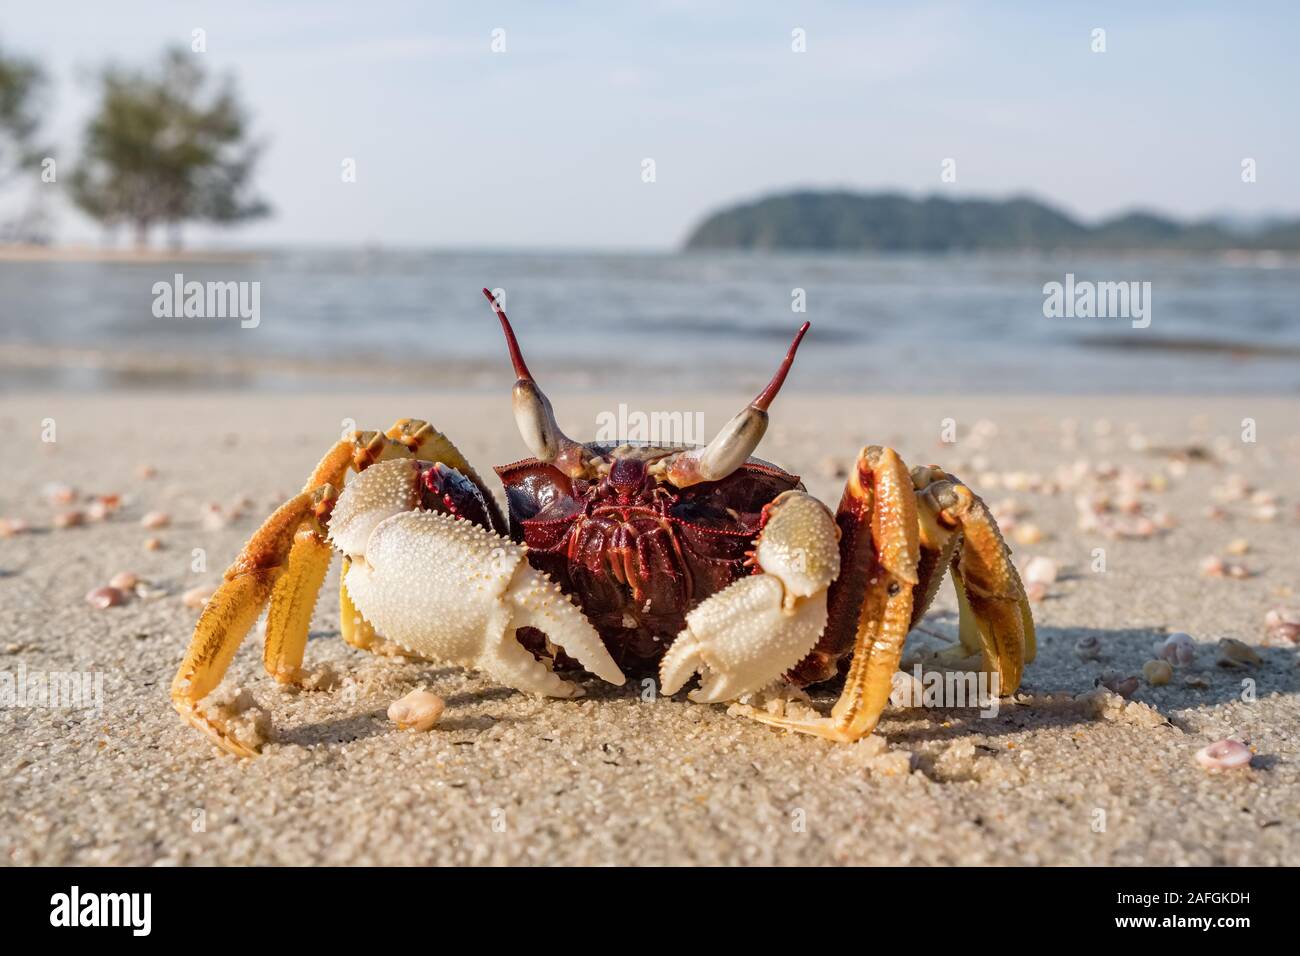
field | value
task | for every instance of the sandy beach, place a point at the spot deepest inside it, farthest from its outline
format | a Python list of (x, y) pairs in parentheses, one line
[(1064, 774)]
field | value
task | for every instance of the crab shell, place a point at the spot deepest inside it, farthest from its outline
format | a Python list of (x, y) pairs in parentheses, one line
[(635, 551)]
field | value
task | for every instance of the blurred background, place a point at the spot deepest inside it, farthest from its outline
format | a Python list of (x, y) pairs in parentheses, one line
[(662, 191)]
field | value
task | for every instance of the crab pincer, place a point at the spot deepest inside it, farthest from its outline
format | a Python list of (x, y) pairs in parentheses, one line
[(749, 634), (447, 589)]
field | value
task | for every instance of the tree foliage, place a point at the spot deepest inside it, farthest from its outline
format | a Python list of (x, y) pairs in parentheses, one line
[(22, 97), (162, 149)]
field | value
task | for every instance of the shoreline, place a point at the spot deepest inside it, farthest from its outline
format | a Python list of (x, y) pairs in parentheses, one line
[(92, 369)]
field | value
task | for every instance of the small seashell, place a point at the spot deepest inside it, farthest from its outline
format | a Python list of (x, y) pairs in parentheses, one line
[(211, 517), (1238, 547), (1234, 653), (1041, 570), (104, 598), (418, 710), (1120, 684), (1027, 534), (146, 592), (69, 519), (98, 511), (1282, 626), (58, 494), (1178, 648), (13, 526), (1195, 682), (197, 597), (153, 544), (1213, 566), (1224, 755), (1130, 505), (1157, 673), (124, 581), (1088, 648), (146, 472), (1164, 520), (156, 519), (1036, 591)]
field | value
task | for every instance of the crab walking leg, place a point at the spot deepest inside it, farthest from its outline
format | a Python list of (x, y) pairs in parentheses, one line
[(753, 631), (886, 615), (293, 599), (939, 546), (356, 630), (227, 617), (990, 594), (249, 584)]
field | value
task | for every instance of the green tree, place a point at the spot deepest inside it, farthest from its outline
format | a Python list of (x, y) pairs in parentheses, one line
[(22, 95), (165, 148)]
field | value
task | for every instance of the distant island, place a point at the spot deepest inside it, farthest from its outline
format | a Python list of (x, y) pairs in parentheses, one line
[(893, 222)]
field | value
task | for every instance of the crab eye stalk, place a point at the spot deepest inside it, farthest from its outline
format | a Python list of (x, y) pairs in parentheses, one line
[(533, 412), (732, 446)]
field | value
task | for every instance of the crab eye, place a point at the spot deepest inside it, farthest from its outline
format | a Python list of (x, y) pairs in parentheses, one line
[(732, 446), (533, 412)]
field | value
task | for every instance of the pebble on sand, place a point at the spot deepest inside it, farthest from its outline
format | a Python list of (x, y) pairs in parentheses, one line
[(1235, 653), (419, 710), (1120, 684), (1224, 755), (1088, 648), (1027, 534), (1157, 673), (1041, 570), (156, 519), (1282, 626), (13, 526), (102, 598), (69, 519), (198, 597), (1178, 648), (124, 581)]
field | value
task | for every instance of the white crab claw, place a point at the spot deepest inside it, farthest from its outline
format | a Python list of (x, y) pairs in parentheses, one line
[(381, 491), (753, 631), (446, 589)]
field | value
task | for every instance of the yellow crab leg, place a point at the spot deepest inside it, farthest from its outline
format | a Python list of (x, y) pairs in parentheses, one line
[(356, 630), (995, 615), (248, 585), (887, 606), (293, 599), (230, 613)]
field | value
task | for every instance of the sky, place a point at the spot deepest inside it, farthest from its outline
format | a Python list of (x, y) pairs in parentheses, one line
[(543, 145)]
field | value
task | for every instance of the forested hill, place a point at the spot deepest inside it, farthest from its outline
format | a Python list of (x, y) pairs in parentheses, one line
[(894, 222)]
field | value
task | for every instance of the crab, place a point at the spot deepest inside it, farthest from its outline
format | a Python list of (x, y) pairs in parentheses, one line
[(617, 560)]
